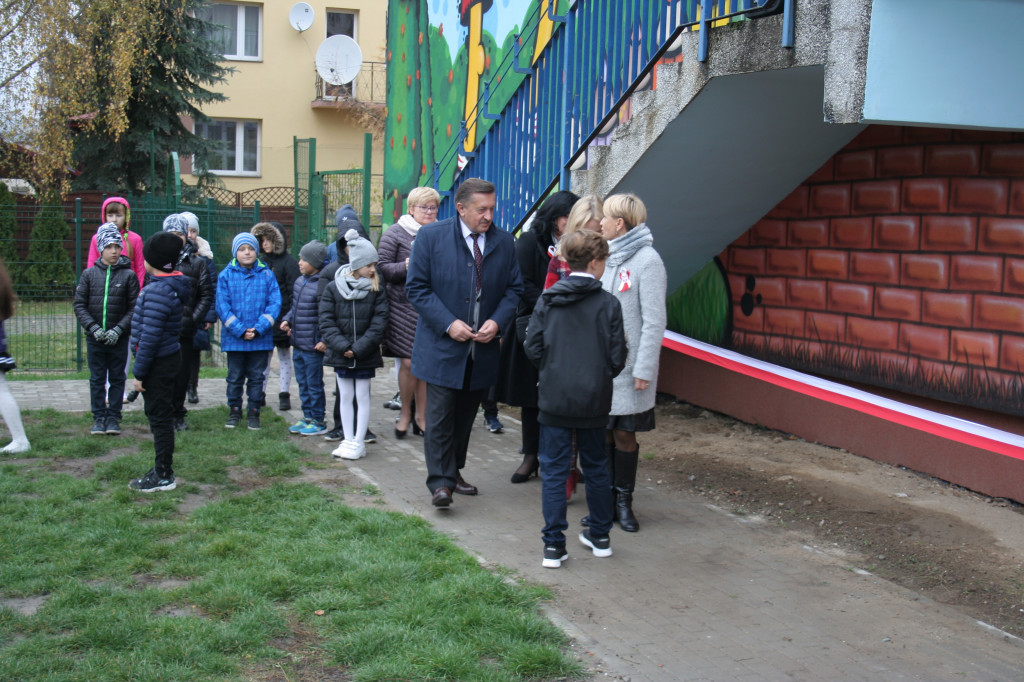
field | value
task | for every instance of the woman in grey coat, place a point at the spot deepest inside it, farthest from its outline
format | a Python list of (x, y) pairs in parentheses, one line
[(394, 249), (635, 275)]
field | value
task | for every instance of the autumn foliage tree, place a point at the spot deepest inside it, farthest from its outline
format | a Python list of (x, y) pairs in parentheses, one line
[(85, 70)]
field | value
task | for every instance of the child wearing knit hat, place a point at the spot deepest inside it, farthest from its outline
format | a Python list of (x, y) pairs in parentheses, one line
[(353, 317), (104, 301), (301, 323), (156, 326), (248, 302)]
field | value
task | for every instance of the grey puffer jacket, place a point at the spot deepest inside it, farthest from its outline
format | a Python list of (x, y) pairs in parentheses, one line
[(635, 275), (395, 246)]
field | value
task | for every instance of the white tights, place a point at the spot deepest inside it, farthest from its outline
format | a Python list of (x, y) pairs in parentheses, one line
[(360, 390), (12, 416), (284, 355)]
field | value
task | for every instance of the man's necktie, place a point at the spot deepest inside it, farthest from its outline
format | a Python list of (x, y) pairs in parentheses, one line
[(479, 258)]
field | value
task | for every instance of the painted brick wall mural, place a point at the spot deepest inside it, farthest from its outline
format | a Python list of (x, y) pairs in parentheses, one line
[(900, 263)]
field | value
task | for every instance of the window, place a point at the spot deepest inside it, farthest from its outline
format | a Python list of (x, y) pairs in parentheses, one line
[(234, 29), (237, 146), (340, 23)]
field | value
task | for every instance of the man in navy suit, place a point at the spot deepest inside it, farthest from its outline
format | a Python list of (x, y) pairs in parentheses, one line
[(465, 284)]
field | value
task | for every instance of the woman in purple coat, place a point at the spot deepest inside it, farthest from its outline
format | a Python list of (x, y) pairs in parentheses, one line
[(393, 250)]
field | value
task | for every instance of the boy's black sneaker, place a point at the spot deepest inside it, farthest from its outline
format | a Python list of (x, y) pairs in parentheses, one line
[(234, 418), (253, 420), (395, 403), (193, 395), (370, 437), (151, 482), (554, 555), (179, 424), (334, 435), (113, 427), (131, 396), (99, 426), (602, 547)]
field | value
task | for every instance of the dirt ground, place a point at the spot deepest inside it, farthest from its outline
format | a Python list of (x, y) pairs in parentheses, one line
[(952, 545)]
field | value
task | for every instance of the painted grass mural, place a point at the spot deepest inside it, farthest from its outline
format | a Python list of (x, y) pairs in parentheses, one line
[(441, 53)]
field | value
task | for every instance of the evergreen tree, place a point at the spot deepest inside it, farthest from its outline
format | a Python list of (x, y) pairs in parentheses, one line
[(8, 227), (48, 272), (171, 80)]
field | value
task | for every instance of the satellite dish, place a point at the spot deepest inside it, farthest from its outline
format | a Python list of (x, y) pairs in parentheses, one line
[(301, 16), (338, 60)]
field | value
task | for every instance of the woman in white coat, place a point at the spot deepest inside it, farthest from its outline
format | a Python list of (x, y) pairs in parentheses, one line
[(635, 275)]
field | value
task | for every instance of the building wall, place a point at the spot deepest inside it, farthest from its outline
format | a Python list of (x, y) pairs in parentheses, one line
[(900, 264), (278, 91)]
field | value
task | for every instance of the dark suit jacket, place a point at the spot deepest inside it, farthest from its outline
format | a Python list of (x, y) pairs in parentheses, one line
[(441, 287)]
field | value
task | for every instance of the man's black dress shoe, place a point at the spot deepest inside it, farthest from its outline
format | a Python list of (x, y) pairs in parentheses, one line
[(442, 498), (463, 488)]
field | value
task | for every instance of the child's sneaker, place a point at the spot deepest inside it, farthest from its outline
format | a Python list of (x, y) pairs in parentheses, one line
[(314, 428), (152, 483), (340, 451), (554, 555), (602, 547), (253, 420), (233, 418), (99, 427), (334, 435), (113, 427), (354, 450), (298, 426)]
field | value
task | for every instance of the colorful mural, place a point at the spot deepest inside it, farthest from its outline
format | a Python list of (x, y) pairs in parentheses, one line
[(441, 53), (899, 264)]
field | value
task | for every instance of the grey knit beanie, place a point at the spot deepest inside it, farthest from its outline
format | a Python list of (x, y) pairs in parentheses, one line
[(314, 253), (176, 223), (360, 251)]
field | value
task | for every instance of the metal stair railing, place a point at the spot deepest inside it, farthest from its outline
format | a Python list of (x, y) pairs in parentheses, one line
[(599, 52)]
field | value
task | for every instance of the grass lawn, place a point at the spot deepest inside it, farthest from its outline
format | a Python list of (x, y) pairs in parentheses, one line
[(250, 569)]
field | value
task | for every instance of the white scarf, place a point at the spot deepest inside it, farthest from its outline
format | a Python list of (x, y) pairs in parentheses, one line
[(409, 224)]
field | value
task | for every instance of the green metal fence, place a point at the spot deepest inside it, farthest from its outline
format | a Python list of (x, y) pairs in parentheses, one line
[(45, 248)]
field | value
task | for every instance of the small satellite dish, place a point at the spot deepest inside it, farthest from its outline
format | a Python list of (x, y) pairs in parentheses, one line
[(338, 60), (301, 16)]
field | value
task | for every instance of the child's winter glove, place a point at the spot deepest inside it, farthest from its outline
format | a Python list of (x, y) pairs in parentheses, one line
[(113, 335), (99, 334)]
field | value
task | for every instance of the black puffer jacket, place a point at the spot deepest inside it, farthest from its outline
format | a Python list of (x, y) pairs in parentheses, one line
[(575, 338), (285, 268), (203, 290), (356, 325), (112, 288)]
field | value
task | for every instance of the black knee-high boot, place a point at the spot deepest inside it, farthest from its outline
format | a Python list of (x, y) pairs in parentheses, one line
[(623, 482)]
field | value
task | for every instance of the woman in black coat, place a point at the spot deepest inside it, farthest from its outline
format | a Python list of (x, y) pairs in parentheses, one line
[(274, 253), (518, 384)]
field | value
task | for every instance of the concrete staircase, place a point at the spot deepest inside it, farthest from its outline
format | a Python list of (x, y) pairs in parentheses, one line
[(720, 143)]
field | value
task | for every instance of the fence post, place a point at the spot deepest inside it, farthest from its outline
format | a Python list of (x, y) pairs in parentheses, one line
[(367, 179), (78, 273), (256, 211)]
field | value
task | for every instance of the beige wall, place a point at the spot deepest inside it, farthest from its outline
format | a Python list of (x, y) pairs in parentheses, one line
[(277, 91)]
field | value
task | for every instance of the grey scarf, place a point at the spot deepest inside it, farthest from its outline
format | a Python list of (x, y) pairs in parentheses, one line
[(351, 289)]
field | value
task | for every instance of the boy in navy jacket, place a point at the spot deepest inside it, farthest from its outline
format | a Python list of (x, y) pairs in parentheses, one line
[(104, 301), (301, 323), (248, 302), (575, 337), (156, 327)]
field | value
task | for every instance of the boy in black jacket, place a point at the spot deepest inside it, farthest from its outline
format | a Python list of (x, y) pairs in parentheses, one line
[(156, 329), (575, 338), (104, 301)]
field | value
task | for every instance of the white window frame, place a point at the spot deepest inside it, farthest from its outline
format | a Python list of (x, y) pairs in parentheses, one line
[(239, 147), (240, 31), (355, 20)]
